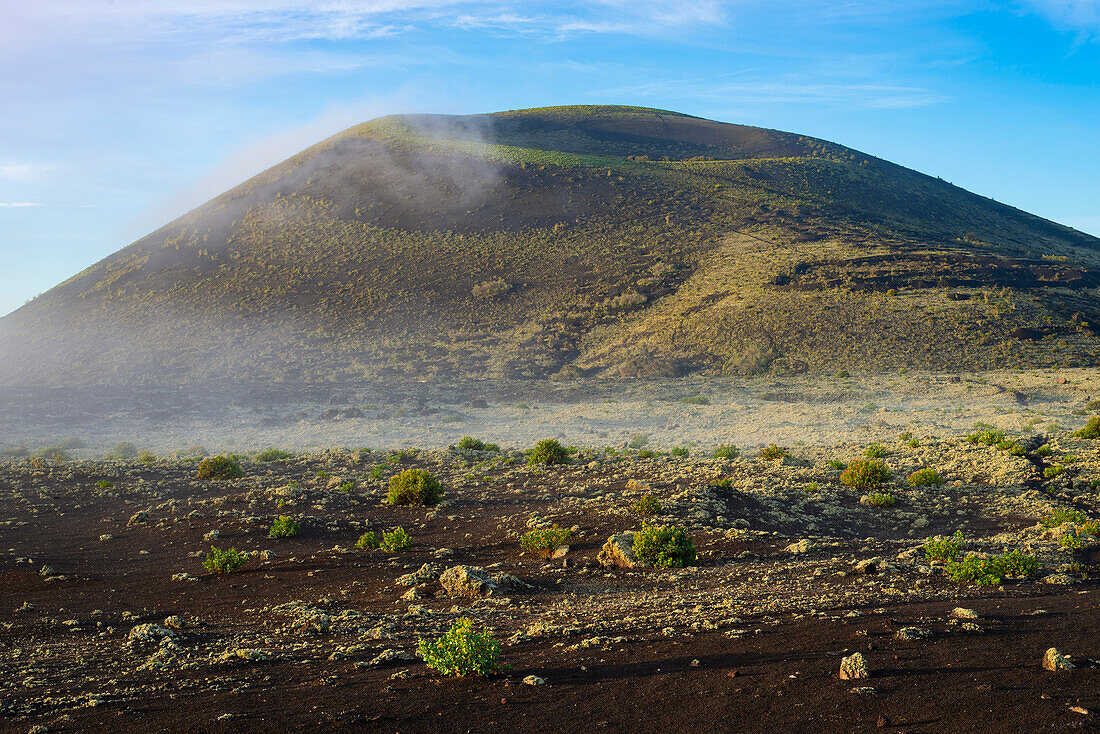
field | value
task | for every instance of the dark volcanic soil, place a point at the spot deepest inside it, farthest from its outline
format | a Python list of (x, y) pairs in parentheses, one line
[(750, 639)]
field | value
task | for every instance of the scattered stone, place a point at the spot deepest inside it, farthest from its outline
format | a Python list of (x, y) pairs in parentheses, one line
[(1059, 579), (971, 628), (148, 632), (802, 546), (467, 582), (854, 667), (912, 633), (184, 577), (534, 680), (388, 655), (105, 537), (866, 567), (175, 622), (1080, 710), (1054, 660), (45, 571), (212, 535), (961, 613), (141, 516)]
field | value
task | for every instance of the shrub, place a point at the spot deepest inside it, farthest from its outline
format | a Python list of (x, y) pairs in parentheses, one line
[(975, 570), (680, 451), (395, 541), (219, 467), (548, 451), (284, 527), (346, 486), (1091, 527), (1011, 447), (227, 561), (104, 484), (53, 453), (414, 487), (1063, 515), (273, 454), (876, 451), (925, 478), (1090, 429), (1070, 540), (811, 488), (940, 548), (1092, 405), (491, 288), (988, 436), (913, 443), (461, 651), (883, 499), (1016, 563), (470, 443), (638, 440), (147, 457), (123, 450), (726, 451), (544, 541), (367, 541), (771, 451), (376, 471), (646, 506), (696, 400), (1052, 472), (835, 464), (664, 546), (865, 474), (1043, 451)]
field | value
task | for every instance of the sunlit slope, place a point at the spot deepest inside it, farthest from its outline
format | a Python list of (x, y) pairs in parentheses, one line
[(569, 241)]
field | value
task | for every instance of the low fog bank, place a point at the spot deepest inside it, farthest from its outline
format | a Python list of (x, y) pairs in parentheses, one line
[(659, 414)]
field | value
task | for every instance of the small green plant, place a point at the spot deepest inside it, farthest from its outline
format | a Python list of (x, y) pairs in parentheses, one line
[(726, 451), (646, 506), (219, 467), (53, 453), (680, 451), (1018, 564), (664, 546), (939, 548), (975, 570), (1092, 405), (645, 454), (1063, 515), (367, 541), (395, 541), (147, 457), (913, 443), (1011, 447), (461, 651), (838, 465), (1044, 451), (346, 486), (771, 451), (544, 541), (1091, 527), (224, 561), (1090, 429), (638, 440), (925, 478), (865, 474), (376, 471), (122, 451), (1070, 540), (905, 436), (548, 451), (811, 488), (469, 443), (414, 487), (284, 527), (322, 476), (1069, 458), (696, 400), (880, 499), (104, 484), (1052, 472), (988, 436), (273, 454), (876, 451)]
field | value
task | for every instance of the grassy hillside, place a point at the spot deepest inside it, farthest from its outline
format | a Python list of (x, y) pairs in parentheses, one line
[(570, 241)]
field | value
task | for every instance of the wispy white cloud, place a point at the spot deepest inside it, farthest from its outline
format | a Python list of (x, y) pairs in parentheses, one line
[(19, 204), (1081, 16), (23, 171)]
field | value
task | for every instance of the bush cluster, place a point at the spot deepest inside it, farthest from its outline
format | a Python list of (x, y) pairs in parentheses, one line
[(881, 499), (726, 451), (414, 487), (940, 548), (395, 541), (646, 506), (273, 454), (470, 443), (876, 451), (925, 478), (284, 527), (664, 546), (548, 451), (865, 473), (544, 541), (1090, 429), (461, 651), (224, 561), (367, 541), (993, 570), (771, 451), (219, 467)]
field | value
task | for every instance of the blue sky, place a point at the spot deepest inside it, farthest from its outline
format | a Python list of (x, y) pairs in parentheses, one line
[(122, 114)]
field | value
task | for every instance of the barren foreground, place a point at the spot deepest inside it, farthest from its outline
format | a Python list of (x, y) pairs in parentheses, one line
[(108, 620)]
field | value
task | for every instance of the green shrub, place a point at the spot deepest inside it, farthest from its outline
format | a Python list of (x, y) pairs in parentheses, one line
[(376, 471), (835, 464), (646, 506), (346, 486), (1092, 405), (1052, 472), (1090, 429), (147, 457), (367, 541), (925, 478), (679, 451), (1063, 515), (664, 546), (469, 443), (1043, 451), (696, 400), (1018, 564), (544, 541), (53, 453), (880, 499), (975, 570), (1091, 527), (548, 451), (940, 548), (284, 527), (726, 451), (811, 488), (122, 451), (1011, 447), (645, 454), (104, 484), (395, 541), (227, 561), (913, 443), (865, 474), (638, 440), (905, 435), (771, 451), (1070, 539), (414, 487), (876, 451), (461, 651), (989, 437), (273, 454), (219, 467)]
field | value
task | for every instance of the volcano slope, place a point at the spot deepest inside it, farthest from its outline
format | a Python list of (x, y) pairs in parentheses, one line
[(569, 242)]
